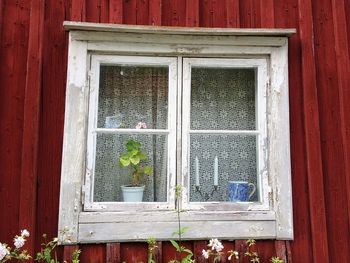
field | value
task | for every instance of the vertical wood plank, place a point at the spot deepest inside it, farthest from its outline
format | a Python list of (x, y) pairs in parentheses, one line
[(332, 144), (155, 12), (219, 13), (343, 70), (228, 245), (51, 118), (312, 136), (198, 246), (94, 253), (173, 12), (169, 252), (133, 252), (281, 250), (13, 57), (68, 252), (159, 251), (142, 12), (192, 13), (245, 13), (27, 205), (289, 252), (93, 11), (205, 13), (232, 13), (265, 250), (241, 247), (113, 252), (285, 13), (267, 14), (2, 4), (130, 12), (78, 10), (104, 15), (115, 11)]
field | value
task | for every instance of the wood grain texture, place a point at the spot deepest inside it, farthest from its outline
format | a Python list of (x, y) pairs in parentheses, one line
[(113, 252), (155, 13), (133, 252), (232, 13), (283, 18), (93, 253), (312, 136), (332, 146), (343, 70), (54, 66), (68, 252), (78, 11), (115, 11), (30, 142), (13, 57)]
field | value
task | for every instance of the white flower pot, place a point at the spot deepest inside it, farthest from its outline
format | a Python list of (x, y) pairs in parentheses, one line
[(132, 193)]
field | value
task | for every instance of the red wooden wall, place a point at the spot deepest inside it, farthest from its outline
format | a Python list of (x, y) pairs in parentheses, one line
[(33, 56)]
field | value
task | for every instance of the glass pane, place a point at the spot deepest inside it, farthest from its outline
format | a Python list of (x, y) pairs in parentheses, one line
[(222, 99), (110, 175), (129, 95), (224, 160)]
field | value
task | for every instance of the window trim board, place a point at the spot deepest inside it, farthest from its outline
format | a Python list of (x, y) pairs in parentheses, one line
[(83, 41)]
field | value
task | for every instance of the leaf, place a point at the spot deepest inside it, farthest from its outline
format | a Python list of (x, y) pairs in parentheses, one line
[(130, 145), (175, 245), (124, 161), (142, 156), (188, 251), (181, 231), (148, 170), (133, 152), (135, 160)]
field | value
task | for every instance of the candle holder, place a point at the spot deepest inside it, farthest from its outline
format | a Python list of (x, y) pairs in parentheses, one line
[(206, 196)]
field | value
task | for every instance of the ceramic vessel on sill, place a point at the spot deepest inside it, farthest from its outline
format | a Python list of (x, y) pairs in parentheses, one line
[(132, 193)]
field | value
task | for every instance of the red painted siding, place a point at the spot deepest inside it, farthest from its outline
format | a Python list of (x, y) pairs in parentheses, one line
[(33, 54)]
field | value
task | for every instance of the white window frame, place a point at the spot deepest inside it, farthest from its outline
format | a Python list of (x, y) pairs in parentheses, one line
[(260, 65), (93, 130), (264, 49)]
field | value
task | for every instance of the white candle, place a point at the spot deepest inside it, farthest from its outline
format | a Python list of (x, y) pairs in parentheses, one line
[(197, 171), (216, 171)]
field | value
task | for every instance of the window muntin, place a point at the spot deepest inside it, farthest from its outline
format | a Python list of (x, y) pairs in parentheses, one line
[(124, 91)]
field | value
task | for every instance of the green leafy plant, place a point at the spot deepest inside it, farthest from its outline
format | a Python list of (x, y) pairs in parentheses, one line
[(184, 255), (151, 249), (134, 158), (48, 252), (276, 260)]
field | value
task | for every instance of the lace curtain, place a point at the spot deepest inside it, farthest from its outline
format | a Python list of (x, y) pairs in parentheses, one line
[(131, 95), (222, 99)]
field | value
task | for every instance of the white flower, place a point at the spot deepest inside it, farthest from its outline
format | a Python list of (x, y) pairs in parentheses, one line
[(25, 233), (215, 244), (19, 241), (205, 253), (218, 247), (233, 253), (3, 251), (141, 125)]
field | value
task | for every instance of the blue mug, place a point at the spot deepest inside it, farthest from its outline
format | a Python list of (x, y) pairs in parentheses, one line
[(238, 191)]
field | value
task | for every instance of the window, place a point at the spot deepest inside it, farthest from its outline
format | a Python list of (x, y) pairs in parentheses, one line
[(209, 108)]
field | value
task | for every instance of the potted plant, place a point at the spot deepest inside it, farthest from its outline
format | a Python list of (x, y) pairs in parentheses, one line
[(134, 158)]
